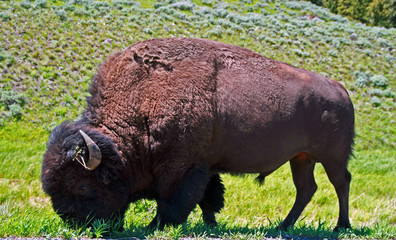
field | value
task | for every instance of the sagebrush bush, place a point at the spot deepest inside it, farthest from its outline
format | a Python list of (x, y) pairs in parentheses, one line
[(294, 5), (376, 92), (375, 101), (61, 14), (364, 43), (25, 4), (11, 104), (186, 6), (333, 53), (379, 81), (4, 16), (368, 52), (385, 43), (389, 93), (220, 12), (361, 82), (216, 31), (40, 3)]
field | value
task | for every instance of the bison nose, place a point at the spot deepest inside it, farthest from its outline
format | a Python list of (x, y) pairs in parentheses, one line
[(71, 222), (77, 222)]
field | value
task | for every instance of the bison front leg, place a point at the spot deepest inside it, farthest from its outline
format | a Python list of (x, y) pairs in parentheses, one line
[(187, 192), (213, 200)]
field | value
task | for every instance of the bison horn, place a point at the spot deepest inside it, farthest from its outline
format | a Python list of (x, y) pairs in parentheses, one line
[(95, 156)]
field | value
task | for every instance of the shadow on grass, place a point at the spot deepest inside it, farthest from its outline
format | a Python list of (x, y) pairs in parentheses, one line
[(225, 231)]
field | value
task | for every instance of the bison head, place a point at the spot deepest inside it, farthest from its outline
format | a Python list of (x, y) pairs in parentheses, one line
[(82, 172)]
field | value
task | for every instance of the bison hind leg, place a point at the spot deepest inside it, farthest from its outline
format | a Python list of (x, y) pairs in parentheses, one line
[(213, 200), (302, 167), (340, 178)]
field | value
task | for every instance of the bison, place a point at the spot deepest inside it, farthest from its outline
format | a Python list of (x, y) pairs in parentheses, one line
[(166, 116)]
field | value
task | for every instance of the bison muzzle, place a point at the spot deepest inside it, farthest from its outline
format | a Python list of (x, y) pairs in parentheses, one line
[(166, 116)]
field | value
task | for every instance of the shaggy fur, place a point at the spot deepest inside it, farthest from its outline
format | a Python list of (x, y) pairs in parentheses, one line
[(170, 114)]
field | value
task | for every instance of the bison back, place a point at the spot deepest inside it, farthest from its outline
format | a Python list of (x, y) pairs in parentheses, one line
[(186, 101)]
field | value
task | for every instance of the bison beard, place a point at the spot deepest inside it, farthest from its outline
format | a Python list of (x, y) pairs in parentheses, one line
[(166, 116)]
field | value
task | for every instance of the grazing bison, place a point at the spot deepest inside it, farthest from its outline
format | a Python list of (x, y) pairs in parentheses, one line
[(166, 116)]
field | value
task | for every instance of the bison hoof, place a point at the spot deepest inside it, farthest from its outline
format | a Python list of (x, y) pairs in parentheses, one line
[(280, 228), (209, 219), (210, 223), (283, 227), (340, 228)]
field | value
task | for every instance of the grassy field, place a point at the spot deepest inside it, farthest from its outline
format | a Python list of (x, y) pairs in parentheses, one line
[(49, 49)]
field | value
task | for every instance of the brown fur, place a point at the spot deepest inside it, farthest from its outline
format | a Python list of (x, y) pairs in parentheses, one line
[(179, 111)]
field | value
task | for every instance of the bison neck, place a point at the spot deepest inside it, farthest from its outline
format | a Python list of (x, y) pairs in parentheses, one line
[(132, 147)]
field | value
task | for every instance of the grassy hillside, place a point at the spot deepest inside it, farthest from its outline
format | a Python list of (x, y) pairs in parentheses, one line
[(50, 49)]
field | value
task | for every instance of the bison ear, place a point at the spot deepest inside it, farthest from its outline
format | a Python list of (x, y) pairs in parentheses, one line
[(95, 156)]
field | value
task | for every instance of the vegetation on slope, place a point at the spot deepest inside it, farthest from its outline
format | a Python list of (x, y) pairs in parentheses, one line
[(375, 12), (50, 49)]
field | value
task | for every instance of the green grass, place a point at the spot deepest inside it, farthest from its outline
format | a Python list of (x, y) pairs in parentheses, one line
[(49, 52)]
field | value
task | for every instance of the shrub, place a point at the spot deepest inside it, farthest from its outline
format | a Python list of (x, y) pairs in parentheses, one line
[(333, 53), (124, 2), (384, 43), (365, 75), (300, 53), (202, 11), (339, 18), (221, 12), (379, 81), (181, 16), (61, 14), (158, 5), (4, 56), (362, 79), (69, 7), (186, 6), (261, 6), (389, 93), (4, 16), (247, 1), (148, 30), (11, 104), (336, 43), (301, 23), (81, 12), (224, 23), (40, 3), (216, 31), (289, 27), (390, 58), (362, 82), (376, 92), (15, 111), (375, 101), (368, 52), (363, 43), (98, 4), (166, 9), (25, 4), (207, 2), (294, 5)]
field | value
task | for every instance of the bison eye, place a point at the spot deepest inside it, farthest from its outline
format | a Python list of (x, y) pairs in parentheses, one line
[(82, 189)]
